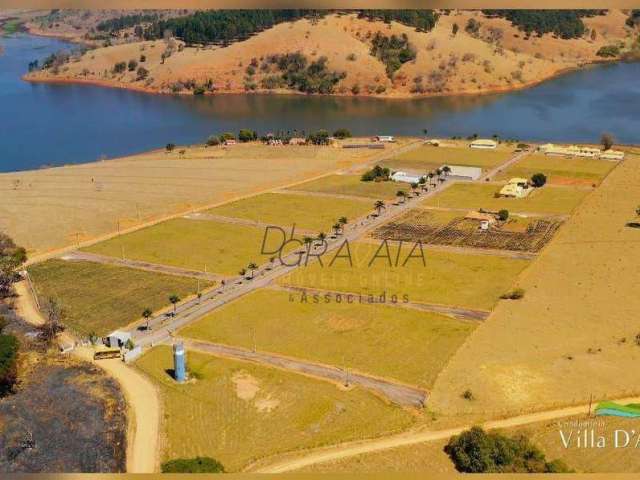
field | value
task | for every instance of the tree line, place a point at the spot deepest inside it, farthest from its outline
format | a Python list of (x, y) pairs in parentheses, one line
[(564, 23), (126, 21)]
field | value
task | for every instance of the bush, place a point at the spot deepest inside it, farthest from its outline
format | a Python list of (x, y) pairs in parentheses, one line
[(227, 136), (142, 73), (119, 67), (193, 465), (375, 174), (342, 133), (321, 137), (213, 141), (538, 180), (143, 58), (351, 57), (503, 215), (475, 451), (515, 294), (132, 65), (608, 51), (198, 90)]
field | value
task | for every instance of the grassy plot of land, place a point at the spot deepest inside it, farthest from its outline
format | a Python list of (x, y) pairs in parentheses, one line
[(222, 248), (472, 281), (430, 158), (559, 170), (236, 412), (548, 199), (352, 185), (99, 298), (407, 345), (307, 212)]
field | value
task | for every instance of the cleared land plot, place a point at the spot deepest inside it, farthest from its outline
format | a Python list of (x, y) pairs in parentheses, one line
[(430, 158), (559, 170), (427, 226), (237, 412), (407, 345), (81, 202), (549, 199), (465, 280), (352, 185), (223, 248), (307, 212), (100, 298)]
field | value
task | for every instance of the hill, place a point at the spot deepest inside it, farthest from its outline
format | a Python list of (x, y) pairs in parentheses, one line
[(466, 52)]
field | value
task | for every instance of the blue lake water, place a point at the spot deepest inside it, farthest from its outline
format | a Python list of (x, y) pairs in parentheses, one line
[(44, 124)]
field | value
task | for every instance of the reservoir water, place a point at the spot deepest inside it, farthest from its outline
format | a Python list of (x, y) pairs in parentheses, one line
[(46, 124)]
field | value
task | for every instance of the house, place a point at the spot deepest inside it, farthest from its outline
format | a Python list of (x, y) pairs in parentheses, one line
[(483, 143), (459, 172), (384, 138), (570, 151), (516, 188), (612, 155), (404, 177), (230, 141), (297, 141), (117, 339), (485, 220)]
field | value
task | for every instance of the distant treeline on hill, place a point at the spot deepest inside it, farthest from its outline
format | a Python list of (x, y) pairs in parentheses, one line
[(227, 26), (126, 21), (564, 23)]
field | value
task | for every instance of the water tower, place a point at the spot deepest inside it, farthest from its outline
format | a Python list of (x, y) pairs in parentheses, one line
[(179, 362)]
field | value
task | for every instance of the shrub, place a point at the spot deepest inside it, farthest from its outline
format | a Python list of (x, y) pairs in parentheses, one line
[(538, 179), (213, 140), (468, 395), (119, 67), (143, 58), (355, 89), (193, 465), (199, 90), (342, 133), (142, 73), (503, 215), (375, 174), (351, 57), (515, 294), (608, 51), (132, 65)]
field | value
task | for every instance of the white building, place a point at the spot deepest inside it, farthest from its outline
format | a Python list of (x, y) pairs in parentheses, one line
[(483, 143), (459, 172), (118, 339), (404, 177), (385, 138), (612, 155), (516, 188)]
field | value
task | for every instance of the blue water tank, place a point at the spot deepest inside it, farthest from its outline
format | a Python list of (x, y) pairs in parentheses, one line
[(179, 362)]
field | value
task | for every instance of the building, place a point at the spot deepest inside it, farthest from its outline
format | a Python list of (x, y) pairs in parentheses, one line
[(117, 339), (433, 142), (483, 143), (459, 172), (612, 155), (179, 362), (384, 138), (570, 151), (297, 141), (516, 188), (404, 177), (485, 220)]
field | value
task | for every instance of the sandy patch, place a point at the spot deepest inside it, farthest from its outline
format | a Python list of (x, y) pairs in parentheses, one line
[(266, 405), (247, 386)]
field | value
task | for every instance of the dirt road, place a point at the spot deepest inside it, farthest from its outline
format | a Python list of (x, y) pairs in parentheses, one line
[(347, 450), (398, 393)]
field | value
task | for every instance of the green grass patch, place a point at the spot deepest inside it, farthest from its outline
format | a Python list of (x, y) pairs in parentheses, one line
[(237, 412), (548, 199), (429, 158), (307, 212), (472, 281), (101, 298), (352, 185), (408, 345), (222, 247), (560, 170)]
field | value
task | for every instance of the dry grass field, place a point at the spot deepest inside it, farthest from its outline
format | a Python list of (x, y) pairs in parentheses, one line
[(473, 196), (466, 280), (429, 158), (407, 345), (74, 203), (559, 170), (217, 247), (239, 412), (573, 334), (306, 212), (352, 185), (100, 298)]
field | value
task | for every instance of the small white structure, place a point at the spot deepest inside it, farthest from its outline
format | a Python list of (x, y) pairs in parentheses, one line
[(612, 155), (570, 151), (459, 172), (516, 188), (434, 142), (385, 138), (484, 143), (485, 220), (404, 177), (118, 339), (297, 141)]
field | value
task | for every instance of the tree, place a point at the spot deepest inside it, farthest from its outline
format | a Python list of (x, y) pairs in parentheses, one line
[(129, 345), (142, 73), (538, 180), (454, 29), (170, 147), (246, 135), (342, 133), (342, 221), (174, 299), (307, 240), (321, 237), (336, 228), (52, 326), (193, 465), (119, 67), (146, 313), (242, 272), (8, 363), (503, 215), (252, 266), (379, 205), (131, 66), (402, 195), (213, 141), (321, 137), (446, 170), (607, 141)]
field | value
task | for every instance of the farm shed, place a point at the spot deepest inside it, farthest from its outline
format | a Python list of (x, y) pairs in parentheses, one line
[(516, 188), (612, 155), (405, 177), (459, 172), (117, 339), (483, 143), (385, 138)]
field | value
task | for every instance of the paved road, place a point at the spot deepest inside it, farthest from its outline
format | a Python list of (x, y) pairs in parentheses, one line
[(140, 265), (398, 393), (353, 449), (457, 312)]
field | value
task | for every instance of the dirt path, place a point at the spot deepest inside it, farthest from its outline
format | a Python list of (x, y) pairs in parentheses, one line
[(140, 265), (398, 393), (347, 450), (143, 401)]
